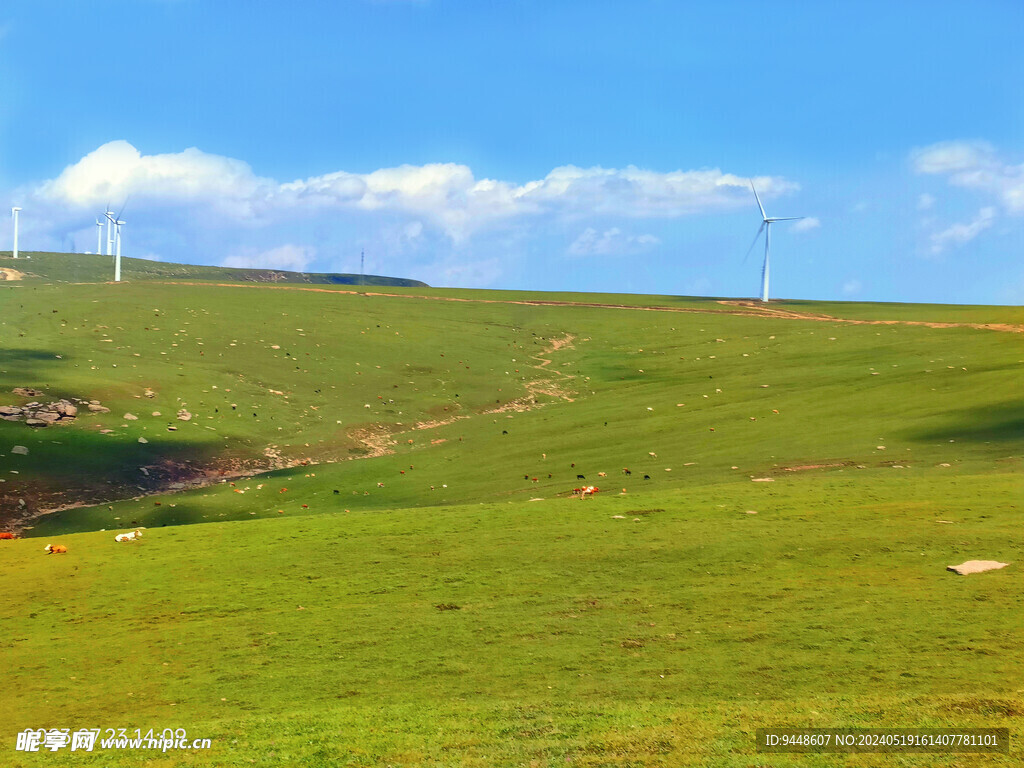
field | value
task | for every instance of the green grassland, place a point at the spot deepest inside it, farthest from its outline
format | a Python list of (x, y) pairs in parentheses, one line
[(399, 591)]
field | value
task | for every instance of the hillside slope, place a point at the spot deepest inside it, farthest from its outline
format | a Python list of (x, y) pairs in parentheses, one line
[(97, 268), (392, 568)]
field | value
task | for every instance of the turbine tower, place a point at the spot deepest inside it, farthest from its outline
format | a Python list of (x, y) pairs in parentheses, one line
[(766, 225), (110, 234), (117, 259), (14, 215), (99, 236)]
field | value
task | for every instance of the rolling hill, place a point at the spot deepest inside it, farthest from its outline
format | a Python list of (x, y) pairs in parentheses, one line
[(362, 547)]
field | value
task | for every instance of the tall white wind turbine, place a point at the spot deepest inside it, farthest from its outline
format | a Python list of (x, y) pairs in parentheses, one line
[(99, 236), (110, 230), (766, 225), (117, 259), (14, 215)]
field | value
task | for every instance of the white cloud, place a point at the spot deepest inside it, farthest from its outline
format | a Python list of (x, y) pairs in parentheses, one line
[(852, 287), (291, 257), (974, 165), (958, 234), (611, 242), (117, 171), (447, 195), (805, 225), (925, 202)]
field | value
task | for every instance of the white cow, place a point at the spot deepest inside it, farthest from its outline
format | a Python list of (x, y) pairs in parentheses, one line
[(131, 536)]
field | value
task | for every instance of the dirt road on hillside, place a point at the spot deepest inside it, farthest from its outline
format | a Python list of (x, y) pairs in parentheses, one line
[(737, 307)]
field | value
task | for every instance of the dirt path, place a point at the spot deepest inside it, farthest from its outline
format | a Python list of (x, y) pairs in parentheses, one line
[(756, 308), (738, 307)]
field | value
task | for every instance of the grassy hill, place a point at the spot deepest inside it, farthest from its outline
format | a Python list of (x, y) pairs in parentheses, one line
[(391, 568), (97, 268)]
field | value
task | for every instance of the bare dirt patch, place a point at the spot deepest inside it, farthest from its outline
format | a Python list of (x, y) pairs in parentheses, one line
[(6, 273)]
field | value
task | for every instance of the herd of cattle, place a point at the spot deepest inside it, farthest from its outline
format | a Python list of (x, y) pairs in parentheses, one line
[(60, 549)]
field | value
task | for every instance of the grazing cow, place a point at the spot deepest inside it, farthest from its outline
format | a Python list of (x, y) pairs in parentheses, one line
[(590, 490), (533, 479), (55, 549), (6, 535), (647, 477), (625, 471), (602, 474), (336, 490), (380, 485), (132, 536), (526, 477), (580, 477)]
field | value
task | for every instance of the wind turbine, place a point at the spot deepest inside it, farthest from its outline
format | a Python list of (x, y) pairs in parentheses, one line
[(117, 259), (766, 225), (14, 215), (116, 222), (110, 235), (99, 236)]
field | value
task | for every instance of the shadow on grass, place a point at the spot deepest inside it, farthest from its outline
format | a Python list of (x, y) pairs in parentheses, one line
[(1003, 424), (74, 464)]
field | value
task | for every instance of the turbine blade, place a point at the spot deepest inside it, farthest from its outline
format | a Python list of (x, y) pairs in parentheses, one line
[(754, 242), (123, 206), (786, 218), (763, 214)]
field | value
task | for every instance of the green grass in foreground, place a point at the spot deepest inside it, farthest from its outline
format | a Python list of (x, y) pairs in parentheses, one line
[(661, 638)]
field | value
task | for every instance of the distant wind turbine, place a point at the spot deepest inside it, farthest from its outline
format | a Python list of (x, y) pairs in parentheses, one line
[(99, 236), (116, 222), (117, 260), (14, 215), (766, 225), (110, 232)]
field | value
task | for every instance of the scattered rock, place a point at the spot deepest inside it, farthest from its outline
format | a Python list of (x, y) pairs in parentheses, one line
[(21, 450), (976, 566), (66, 409), (184, 415), (131, 417), (143, 440), (27, 392), (97, 408), (36, 423), (9, 410), (149, 392), (763, 479)]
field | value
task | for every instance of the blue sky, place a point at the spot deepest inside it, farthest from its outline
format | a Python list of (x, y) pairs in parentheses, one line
[(548, 145)]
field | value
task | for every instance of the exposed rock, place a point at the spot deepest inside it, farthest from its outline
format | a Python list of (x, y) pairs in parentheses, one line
[(27, 392), (47, 416), (184, 415), (37, 423), (131, 417), (97, 408), (66, 409), (9, 410), (149, 392), (976, 566), (143, 440), (21, 450)]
